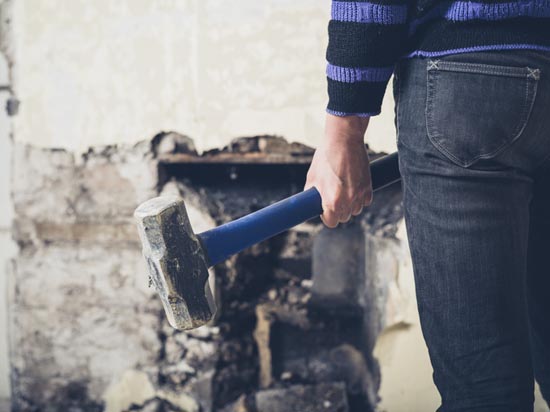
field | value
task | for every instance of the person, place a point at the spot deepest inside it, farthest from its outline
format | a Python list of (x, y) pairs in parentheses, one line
[(472, 92)]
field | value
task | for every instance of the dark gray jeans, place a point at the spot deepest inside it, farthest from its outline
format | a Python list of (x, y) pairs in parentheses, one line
[(474, 147)]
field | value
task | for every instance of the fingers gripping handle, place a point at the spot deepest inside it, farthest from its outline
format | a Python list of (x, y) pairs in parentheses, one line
[(226, 240)]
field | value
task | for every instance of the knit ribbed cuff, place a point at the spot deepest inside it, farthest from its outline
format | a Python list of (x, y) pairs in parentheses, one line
[(355, 98), (343, 114)]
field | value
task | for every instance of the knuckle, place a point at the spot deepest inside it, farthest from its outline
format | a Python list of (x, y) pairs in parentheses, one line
[(341, 203), (333, 203), (329, 207)]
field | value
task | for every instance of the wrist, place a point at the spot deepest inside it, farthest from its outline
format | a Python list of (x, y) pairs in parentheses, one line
[(345, 128)]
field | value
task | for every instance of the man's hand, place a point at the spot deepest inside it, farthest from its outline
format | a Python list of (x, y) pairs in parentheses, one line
[(340, 169)]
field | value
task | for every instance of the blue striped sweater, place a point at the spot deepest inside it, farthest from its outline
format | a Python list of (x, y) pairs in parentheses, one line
[(367, 38)]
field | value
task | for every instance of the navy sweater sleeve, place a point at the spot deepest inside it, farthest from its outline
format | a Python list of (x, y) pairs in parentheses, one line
[(366, 38)]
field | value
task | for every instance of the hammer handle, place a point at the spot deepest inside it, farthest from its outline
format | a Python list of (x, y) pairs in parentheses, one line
[(226, 240)]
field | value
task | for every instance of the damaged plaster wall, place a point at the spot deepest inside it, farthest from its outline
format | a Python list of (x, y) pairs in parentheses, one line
[(71, 214), (110, 347)]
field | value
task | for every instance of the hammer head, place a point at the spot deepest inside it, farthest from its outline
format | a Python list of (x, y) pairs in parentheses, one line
[(177, 263)]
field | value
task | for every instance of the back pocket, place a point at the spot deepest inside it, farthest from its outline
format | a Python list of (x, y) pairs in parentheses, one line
[(475, 111)]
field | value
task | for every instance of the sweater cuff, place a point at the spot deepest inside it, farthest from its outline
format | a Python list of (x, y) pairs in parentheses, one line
[(355, 98), (357, 90), (344, 114)]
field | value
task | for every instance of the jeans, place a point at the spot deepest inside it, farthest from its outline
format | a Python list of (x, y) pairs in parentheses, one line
[(473, 134)]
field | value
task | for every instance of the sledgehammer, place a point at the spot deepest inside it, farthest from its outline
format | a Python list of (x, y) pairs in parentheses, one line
[(178, 259)]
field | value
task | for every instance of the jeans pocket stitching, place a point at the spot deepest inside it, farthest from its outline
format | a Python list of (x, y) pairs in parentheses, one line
[(434, 134), (481, 68), (431, 128), (531, 87)]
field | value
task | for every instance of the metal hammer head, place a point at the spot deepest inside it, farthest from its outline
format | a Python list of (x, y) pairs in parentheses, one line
[(177, 264)]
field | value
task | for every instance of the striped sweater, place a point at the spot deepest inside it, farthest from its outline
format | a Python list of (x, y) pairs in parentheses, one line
[(367, 38)]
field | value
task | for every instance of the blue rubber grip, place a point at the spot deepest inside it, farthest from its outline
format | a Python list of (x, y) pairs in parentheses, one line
[(226, 240)]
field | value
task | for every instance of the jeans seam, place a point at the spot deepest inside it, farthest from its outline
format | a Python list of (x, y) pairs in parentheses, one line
[(397, 100)]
